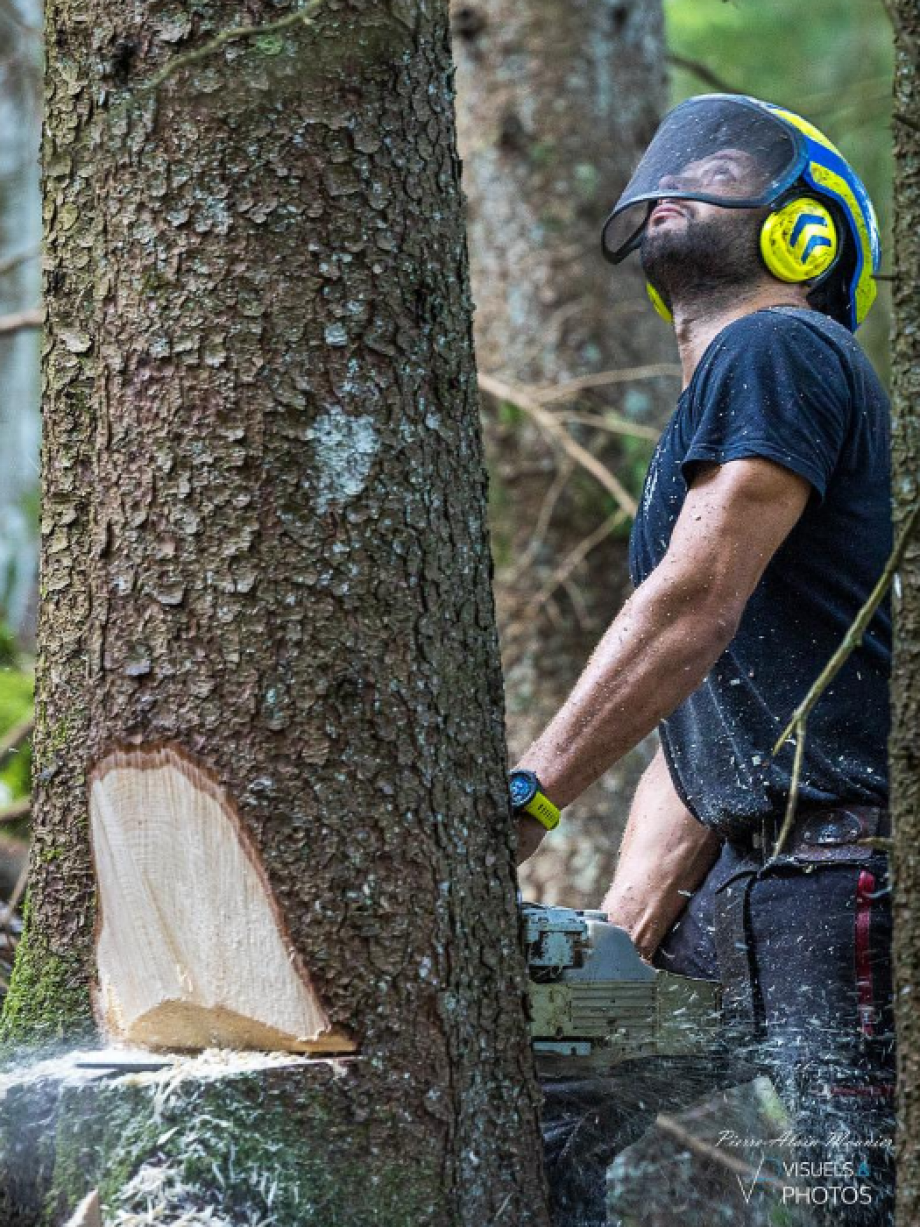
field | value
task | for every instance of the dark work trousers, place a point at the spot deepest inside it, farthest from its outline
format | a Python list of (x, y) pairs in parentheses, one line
[(804, 955)]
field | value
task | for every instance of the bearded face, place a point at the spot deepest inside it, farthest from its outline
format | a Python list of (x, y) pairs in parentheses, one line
[(694, 250)]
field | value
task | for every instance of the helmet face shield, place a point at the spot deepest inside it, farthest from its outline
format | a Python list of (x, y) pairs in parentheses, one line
[(719, 149)]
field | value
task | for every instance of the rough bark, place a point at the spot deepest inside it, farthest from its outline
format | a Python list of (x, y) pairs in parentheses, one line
[(50, 989), (905, 752), (555, 102), (263, 414)]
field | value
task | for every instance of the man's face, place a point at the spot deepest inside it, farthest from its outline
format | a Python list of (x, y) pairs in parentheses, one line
[(690, 246), (728, 173)]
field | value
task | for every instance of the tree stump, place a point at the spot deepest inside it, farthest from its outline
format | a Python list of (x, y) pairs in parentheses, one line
[(225, 1138)]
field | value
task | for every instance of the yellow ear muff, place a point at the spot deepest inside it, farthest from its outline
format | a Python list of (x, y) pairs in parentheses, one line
[(799, 241), (658, 303)]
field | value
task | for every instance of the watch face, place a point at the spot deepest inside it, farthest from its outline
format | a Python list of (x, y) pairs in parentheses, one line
[(523, 785)]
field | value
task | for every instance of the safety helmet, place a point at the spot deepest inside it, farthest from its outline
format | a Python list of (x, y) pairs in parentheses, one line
[(742, 153)]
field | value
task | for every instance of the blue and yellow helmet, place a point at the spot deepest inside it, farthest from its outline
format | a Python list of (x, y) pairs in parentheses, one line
[(740, 152)]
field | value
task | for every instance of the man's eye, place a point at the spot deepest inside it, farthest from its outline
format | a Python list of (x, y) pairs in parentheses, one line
[(723, 173)]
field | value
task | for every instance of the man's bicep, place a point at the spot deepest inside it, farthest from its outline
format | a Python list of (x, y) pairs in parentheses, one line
[(734, 518)]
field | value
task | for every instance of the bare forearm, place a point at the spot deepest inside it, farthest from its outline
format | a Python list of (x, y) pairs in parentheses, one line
[(656, 653), (664, 856)]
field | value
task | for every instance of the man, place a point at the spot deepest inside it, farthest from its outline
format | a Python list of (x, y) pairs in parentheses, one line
[(763, 526)]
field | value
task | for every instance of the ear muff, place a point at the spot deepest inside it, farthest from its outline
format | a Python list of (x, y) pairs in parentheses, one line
[(799, 241), (658, 303)]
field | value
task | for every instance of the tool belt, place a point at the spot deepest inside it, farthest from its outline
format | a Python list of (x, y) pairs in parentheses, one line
[(838, 834)]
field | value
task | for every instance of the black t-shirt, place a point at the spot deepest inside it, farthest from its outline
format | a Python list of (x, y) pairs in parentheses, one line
[(795, 387)]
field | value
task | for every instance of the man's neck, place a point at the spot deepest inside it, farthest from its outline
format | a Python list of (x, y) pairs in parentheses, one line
[(696, 324)]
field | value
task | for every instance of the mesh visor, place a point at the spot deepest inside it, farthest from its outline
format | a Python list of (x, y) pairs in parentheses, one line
[(720, 149)]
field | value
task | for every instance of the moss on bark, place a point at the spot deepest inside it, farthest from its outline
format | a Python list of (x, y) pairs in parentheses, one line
[(48, 1000)]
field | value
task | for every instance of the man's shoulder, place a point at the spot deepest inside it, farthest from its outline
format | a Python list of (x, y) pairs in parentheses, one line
[(797, 331), (779, 346)]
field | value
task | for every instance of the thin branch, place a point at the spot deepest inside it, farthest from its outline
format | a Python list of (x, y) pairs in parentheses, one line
[(21, 320), (554, 430), (615, 425), (627, 374), (234, 34), (878, 843), (702, 71), (667, 1124), (793, 798), (21, 257), (545, 514), (579, 604), (849, 643), (15, 738), (561, 574), (19, 809)]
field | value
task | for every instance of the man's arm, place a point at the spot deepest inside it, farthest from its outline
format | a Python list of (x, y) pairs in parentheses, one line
[(672, 630), (664, 856)]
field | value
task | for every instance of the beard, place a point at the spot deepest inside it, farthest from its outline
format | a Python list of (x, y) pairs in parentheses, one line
[(711, 260)]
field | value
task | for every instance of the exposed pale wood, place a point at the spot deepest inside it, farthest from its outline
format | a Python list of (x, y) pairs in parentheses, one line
[(191, 950), (87, 1214)]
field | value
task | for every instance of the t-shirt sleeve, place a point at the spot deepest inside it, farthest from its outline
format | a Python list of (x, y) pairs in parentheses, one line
[(776, 389)]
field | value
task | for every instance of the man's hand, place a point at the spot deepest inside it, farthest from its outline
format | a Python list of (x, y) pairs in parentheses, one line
[(676, 625), (529, 837), (665, 854)]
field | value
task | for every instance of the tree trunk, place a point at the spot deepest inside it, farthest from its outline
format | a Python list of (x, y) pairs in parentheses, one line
[(555, 103), (905, 752), (20, 226), (290, 726), (49, 996)]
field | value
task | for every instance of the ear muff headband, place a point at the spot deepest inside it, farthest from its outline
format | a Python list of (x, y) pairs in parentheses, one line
[(658, 303), (799, 241)]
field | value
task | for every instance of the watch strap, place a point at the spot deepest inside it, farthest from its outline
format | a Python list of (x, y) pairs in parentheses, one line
[(541, 808)]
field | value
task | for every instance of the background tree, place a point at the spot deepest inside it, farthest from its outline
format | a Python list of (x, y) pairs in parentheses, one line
[(905, 762), (268, 679), (20, 229), (20, 232), (555, 103)]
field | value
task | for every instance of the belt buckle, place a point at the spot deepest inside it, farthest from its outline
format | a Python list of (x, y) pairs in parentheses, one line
[(831, 830)]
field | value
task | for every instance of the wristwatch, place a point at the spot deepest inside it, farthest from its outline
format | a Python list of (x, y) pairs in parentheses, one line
[(528, 798)]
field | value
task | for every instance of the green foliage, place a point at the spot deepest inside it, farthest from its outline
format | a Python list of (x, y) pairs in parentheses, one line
[(16, 687), (830, 60)]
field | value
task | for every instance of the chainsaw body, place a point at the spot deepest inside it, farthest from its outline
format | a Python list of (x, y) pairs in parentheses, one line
[(594, 1003)]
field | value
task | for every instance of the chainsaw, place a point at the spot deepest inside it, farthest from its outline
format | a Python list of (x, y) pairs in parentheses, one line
[(594, 1003)]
